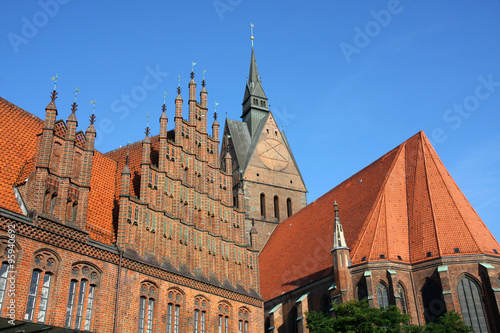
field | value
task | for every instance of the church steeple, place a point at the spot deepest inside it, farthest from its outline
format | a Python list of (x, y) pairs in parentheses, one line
[(255, 105)]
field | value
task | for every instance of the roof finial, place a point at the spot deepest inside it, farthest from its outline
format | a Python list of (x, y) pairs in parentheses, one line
[(192, 69), (92, 117), (54, 78), (147, 125), (74, 105), (203, 82), (164, 96), (215, 108), (215, 115), (179, 86), (251, 32), (253, 222)]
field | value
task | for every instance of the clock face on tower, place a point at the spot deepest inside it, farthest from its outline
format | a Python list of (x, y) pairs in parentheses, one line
[(273, 154)]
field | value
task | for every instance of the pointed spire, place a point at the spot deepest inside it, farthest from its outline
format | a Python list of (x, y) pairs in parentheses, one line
[(338, 234), (126, 169), (147, 127), (164, 106), (203, 81)]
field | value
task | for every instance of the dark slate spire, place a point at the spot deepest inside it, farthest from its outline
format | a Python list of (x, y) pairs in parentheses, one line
[(254, 85)]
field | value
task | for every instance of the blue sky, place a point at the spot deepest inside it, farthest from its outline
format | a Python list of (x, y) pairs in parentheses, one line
[(348, 80)]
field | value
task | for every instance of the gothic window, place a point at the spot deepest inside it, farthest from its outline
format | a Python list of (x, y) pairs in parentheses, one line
[(293, 321), (149, 294), (382, 296), (200, 314), (223, 324), (432, 297), (174, 311), (276, 208), (326, 305), (362, 289), (263, 206), (469, 296), (402, 297), (53, 202), (289, 207), (45, 267), (74, 210), (82, 290), (243, 319)]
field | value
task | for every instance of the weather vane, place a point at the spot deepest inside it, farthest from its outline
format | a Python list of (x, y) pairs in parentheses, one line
[(204, 71), (192, 66), (147, 116), (179, 81), (215, 107), (164, 96), (251, 32), (93, 105), (54, 78), (76, 92)]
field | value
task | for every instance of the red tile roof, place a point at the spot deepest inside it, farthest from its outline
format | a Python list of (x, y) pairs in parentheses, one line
[(18, 141), (404, 204)]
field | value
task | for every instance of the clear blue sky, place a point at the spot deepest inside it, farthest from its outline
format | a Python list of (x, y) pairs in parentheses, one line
[(348, 80)]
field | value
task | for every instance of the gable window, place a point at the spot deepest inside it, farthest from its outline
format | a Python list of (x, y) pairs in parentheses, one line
[(82, 288), (41, 279), (276, 208), (223, 318), (263, 206), (469, 296), (289, 207)]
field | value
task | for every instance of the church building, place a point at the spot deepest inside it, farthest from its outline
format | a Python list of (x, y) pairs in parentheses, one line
[(399, 232)]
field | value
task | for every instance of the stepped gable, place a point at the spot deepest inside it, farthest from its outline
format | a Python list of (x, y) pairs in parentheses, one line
[(18, 140), (135, 159), (404, 207)]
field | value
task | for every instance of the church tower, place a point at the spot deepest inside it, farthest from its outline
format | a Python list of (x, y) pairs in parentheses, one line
[(268, 183)]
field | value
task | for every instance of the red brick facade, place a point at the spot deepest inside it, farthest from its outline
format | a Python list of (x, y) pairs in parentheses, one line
[(141, 238)]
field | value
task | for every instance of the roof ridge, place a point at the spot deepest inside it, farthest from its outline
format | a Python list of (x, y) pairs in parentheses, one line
[(459, 211)]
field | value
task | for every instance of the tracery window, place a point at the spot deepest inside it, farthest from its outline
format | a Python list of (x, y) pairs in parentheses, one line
[(45, 266), (382, 296), (402, 297), (85, 279), (243, 319), (149, 293), (200, 314), (471, 304), (224, 313), (174, 311)]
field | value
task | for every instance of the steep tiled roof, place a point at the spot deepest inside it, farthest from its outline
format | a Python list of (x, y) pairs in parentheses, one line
[(101, 199), (404, 205), (18, 140)]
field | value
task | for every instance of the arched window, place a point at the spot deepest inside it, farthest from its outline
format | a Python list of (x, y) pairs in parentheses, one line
[(74, 211), (263, 206), (362, 289), (432, 297), (174, 311), (402, 298), (82, 289), (289, 207), (294, 325), (243, 319), (200, 314), (53, 202), (8, 252), (41, 279), (224, 312), (326, 305), (382, 296), (469, 296), (276, 208), (149, 294)]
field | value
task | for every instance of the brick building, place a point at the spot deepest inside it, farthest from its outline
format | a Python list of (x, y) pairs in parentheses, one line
[(398, 232), (145, 238), (262, 164)]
